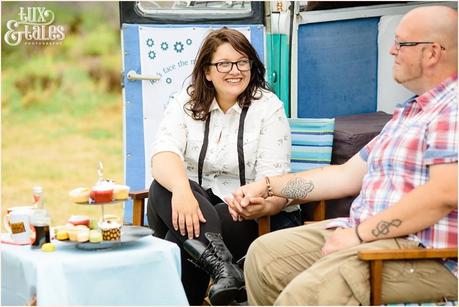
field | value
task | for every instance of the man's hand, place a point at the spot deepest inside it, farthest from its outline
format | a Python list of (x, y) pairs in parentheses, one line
[(341, 238), (243, 194), (186, 214), (256, 208)]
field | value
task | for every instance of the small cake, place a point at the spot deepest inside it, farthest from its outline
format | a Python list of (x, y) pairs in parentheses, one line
[(73, 234), (79, 195), (78, 233), (83, 235), (111, 231), (95, 236), (79, 220), (62, 235), (102, 192), (120, 192)]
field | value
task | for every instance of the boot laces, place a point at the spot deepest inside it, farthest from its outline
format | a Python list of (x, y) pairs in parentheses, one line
[(214, 264), (216, 241)]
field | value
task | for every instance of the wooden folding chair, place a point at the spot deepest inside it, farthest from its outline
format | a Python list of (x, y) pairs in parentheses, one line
[(376, 259)]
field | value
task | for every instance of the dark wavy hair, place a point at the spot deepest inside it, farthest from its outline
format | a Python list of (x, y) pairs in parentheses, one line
[(202, 91)]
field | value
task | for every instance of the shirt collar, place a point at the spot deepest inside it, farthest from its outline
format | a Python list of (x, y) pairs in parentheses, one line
[(214, 106), (428, 99)]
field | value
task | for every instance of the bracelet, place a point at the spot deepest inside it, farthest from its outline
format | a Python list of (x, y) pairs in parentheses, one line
[(357, 233), (268, 187)]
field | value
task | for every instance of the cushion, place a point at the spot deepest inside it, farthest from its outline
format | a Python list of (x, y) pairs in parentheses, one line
[(352, 132), (312, 140)]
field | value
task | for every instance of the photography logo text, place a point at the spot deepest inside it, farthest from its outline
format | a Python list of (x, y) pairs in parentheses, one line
[(34, 27)]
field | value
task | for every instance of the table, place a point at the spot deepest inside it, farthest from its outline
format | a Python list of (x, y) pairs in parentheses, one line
[(144, 272)]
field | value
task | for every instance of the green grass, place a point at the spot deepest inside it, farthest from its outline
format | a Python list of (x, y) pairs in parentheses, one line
[(62, 109)]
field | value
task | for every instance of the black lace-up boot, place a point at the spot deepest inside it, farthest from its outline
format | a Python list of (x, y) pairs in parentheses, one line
[(216, 260)]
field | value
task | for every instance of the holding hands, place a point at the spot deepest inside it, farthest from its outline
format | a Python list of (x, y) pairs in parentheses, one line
[(250, 202)]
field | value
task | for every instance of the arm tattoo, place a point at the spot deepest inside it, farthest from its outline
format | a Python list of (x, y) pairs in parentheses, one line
[(382, 228), (297, 188)]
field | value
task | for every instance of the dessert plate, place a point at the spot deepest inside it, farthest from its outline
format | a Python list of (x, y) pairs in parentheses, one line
[(128, 234)]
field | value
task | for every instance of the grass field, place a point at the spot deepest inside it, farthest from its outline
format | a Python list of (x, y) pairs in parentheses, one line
[(62, 109)]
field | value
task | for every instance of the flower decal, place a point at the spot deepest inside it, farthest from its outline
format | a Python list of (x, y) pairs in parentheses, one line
[(152, 55), (178, 47), (150, 42)]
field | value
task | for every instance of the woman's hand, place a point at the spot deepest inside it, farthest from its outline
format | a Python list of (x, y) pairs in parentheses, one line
[(255, 189), (254, 208), (257, 207), (186, 214)]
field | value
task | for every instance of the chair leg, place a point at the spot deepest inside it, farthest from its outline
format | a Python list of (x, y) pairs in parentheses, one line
[(376, 268), (138, 212), (319, 211), (264, 225)]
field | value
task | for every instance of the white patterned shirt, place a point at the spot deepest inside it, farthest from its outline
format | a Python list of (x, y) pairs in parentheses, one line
[(267, 142)]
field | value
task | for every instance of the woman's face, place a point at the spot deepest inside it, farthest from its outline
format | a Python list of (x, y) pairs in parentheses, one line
[(229, 82)]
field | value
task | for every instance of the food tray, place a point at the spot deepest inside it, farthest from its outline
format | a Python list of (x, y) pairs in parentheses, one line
[(128, 234), (105, 203)]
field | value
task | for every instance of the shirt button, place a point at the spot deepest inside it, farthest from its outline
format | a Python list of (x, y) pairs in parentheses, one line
[(411, 270)]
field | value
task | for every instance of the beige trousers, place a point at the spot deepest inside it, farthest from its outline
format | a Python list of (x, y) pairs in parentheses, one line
[(286, 267)]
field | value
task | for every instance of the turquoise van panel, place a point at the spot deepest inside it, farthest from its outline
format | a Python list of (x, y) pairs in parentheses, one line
[(278, 67)]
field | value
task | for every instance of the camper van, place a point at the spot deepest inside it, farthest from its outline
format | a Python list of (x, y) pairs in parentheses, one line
[(323, 59)]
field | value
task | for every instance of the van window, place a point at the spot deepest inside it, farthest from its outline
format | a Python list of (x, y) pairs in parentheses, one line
[(195, 9)]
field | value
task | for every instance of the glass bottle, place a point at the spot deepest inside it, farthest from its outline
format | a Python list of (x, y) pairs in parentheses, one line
[(38, 201), (39, 219)]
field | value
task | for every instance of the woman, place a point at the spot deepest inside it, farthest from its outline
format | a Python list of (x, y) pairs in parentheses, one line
[(226, 129)]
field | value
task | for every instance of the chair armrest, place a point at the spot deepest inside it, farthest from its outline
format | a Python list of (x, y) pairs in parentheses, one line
[(376, 258), (413, 253), (138, 206)]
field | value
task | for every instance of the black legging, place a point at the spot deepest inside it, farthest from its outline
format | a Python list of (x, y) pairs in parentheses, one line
[(236, 235)]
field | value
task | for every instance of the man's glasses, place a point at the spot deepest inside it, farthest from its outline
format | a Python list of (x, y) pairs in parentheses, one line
[(399, 45), (226, 66)]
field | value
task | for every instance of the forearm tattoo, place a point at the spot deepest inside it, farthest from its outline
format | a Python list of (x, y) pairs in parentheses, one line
[(382, 228), (297, 188)]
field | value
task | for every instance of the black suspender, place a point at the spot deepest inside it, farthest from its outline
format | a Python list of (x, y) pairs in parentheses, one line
[(240, 148)]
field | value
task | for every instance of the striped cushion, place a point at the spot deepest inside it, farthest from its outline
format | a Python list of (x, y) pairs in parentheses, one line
[(312, 141)]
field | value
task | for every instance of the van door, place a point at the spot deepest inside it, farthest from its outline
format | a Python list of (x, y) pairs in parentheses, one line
[(160, 40)]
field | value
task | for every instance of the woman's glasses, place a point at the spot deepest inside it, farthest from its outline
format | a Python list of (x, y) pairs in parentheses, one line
[(226, 66)]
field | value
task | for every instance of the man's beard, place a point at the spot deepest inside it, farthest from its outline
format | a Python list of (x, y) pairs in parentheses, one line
[(414, 72)]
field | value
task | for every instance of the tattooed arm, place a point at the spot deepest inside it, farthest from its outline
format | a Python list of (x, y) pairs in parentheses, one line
[(417, 210), (329, 182)]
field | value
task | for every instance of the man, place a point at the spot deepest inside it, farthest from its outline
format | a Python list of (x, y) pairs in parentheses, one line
[(406, 179)]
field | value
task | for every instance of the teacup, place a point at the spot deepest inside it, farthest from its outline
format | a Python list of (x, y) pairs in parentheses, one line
[(17, 224)]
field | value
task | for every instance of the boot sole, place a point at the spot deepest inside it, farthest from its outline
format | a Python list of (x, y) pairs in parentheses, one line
[(226, 296)]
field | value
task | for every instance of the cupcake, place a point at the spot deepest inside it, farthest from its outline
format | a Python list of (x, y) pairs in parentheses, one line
[(111, 231)]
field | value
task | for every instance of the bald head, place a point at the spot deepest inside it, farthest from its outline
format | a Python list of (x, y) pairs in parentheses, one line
[(433, 23)]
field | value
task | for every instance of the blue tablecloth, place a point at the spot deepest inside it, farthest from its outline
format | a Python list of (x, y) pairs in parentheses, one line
[(144, 272)]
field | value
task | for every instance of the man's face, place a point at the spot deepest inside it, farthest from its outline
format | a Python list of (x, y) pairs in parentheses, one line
[(407, 66)]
